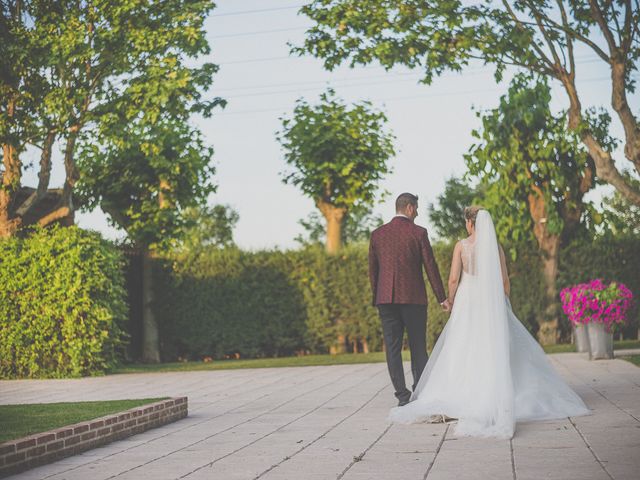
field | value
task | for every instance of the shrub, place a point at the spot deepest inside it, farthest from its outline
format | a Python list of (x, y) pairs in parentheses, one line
[(271, 303), (338, 298), (227, 302), (61, 304)]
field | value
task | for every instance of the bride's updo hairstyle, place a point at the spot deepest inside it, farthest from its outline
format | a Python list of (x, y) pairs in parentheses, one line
[(470, 213)]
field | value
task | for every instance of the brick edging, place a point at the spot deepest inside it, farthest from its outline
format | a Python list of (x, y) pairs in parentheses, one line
[(41, 448)]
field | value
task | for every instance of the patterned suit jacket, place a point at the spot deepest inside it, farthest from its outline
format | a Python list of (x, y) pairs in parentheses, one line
[(397, 252)]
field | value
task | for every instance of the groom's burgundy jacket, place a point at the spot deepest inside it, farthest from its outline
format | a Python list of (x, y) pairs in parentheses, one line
[(397, 252)]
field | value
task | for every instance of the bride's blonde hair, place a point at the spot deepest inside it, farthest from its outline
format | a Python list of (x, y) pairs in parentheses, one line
[(471, 212)]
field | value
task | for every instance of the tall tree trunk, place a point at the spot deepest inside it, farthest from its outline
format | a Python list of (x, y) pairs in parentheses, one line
[(334, 217), (10, 184), (71, 171), (150, 337), (44, 175), (627, 118), (11, 176), (550, 245), (549, 327)]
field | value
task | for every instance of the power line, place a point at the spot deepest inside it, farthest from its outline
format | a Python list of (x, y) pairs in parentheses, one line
[(259, 32), (292, 57), (255, 60), (387, 99), (415, 74), (330, 82), (261, 10), (390, 74), (394, 99), (315, 82)]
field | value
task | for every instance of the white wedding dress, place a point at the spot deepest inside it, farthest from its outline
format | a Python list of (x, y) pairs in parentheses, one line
[(486, 370)]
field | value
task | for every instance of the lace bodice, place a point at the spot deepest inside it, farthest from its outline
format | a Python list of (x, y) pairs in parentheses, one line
[(468, 256)]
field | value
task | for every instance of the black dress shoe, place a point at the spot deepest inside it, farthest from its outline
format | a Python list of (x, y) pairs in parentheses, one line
[(402, 403)]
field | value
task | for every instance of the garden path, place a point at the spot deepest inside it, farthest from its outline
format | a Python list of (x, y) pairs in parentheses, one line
[(316, 423)]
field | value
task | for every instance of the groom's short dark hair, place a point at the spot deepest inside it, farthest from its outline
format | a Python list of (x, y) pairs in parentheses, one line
[(405, 199)]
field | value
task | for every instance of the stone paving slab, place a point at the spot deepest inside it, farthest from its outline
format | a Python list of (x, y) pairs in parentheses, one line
[(330, 423)]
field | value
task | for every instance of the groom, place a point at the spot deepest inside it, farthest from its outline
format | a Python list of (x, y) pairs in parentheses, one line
[(397, 252)]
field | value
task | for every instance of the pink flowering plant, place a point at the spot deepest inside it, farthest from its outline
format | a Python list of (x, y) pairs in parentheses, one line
[(597, 302)]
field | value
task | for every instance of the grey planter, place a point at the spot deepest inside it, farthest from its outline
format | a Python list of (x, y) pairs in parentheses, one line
[(600, 341), (581, 338)]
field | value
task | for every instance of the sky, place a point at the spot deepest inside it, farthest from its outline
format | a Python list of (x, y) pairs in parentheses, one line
[(261, 82)]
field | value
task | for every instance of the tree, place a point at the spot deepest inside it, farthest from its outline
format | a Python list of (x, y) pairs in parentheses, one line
[(111, 82), (535, 175), (143, 164), (447, 214), (357, 227), (209, 225), (621, 217), (537, 36), (144, 176), (337, 156), (67, 65)]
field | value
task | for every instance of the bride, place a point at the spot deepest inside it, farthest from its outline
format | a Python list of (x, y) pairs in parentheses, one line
[(486, 370)]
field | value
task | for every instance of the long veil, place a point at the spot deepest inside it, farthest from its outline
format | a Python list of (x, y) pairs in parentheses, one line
[(492, 334), (468, 375)]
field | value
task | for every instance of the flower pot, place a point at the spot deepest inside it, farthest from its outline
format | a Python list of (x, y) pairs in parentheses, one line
[(581, 338), (600, 341)]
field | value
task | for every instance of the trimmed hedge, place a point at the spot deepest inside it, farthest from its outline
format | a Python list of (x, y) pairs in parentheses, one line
[(228, 301), (610, 258), (224, 303), (61, 304)]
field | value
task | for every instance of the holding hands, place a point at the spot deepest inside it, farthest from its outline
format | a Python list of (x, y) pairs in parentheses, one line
[(446, 305)]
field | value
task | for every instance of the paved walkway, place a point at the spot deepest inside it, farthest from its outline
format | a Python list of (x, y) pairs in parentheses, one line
[(313, 423)]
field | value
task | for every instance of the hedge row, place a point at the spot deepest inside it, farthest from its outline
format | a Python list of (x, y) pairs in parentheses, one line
[(63, 310), (61, 304), (228, 302)]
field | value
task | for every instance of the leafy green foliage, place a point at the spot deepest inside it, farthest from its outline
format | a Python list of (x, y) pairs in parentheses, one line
[(537, 37), (209, 225), (145, 176), (270, 303), (412, 33), (144, 164), (621, 217), (220, 302), (337, 154), (337, 295), (62, 304), (447, 214), (112, 81), (526, 152)]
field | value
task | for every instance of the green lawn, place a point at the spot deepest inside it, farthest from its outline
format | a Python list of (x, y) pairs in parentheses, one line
[(304, 361), (18, 421), (308, 360), (635, 359)]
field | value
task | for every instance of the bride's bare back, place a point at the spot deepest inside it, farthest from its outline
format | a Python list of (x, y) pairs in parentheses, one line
[(464, 260)]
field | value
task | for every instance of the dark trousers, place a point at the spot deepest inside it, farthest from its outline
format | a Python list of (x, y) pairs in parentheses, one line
[(395, 318)]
